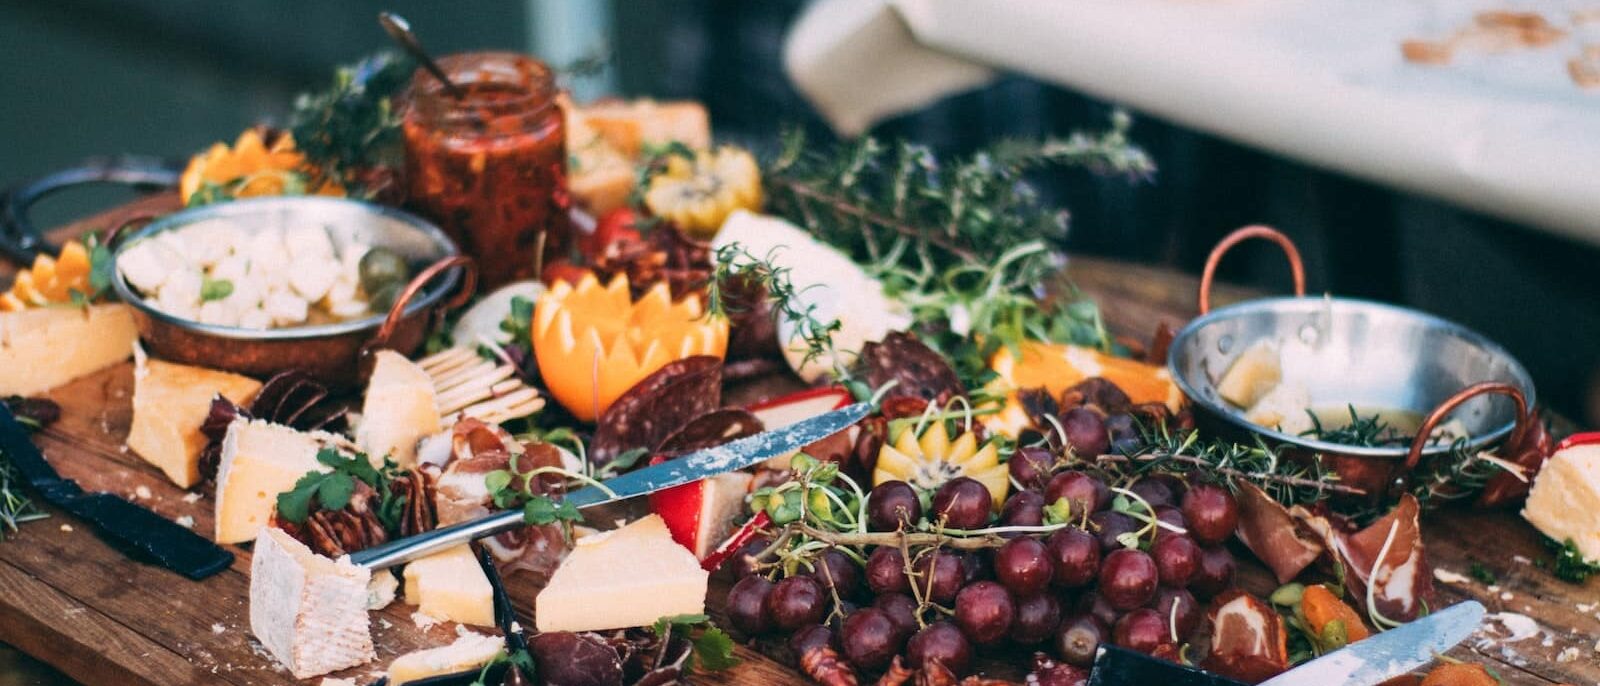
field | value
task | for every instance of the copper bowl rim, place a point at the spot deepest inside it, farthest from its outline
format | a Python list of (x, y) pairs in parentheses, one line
[(1232, 416), (248, 206)]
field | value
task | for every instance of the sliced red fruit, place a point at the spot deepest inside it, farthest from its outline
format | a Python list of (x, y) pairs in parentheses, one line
[(735, 541), (701, 513), (617, 226), (785, 410)]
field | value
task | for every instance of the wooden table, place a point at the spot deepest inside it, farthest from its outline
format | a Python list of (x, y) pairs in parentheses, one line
[(71, 601)]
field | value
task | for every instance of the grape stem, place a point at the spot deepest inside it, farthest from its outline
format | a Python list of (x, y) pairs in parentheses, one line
[(979, 542), (1249, 476)]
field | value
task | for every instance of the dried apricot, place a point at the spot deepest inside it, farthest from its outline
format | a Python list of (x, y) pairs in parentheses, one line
[(1460, 674), (1321, 608)]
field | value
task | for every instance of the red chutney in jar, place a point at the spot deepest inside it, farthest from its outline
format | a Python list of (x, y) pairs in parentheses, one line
[(490, 167)]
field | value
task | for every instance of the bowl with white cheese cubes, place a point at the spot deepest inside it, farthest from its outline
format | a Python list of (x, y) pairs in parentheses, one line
[(265, 285)]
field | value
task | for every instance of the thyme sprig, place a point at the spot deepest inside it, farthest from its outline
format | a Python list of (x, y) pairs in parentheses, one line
[(1290, 482), (15, 507)]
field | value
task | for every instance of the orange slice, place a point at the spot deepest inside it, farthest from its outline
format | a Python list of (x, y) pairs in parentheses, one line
[(1059, 366)]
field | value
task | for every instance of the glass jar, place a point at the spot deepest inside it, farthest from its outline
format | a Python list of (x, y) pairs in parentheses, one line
[(490, 167)]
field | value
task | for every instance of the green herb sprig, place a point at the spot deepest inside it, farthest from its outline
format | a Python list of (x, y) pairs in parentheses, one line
[(354, 125), (15, 508), (1570, 564), (332, 489), (735, 267), (711, 648)]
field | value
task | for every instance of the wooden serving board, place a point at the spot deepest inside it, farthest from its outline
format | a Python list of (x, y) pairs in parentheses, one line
[(69, 600)]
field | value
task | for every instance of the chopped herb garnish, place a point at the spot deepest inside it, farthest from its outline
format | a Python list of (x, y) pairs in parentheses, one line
[(1483, 574), (1570, 564), (711, 647), (215, 289)]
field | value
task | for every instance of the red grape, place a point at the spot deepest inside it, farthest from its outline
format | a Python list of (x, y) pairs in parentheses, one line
[(1079, 637), (901, 610), (1171, 516), (834, 568), (1187, 617), (743, 560), (1084, 492), (1074, 557), (1086, 432), (1123, 432), (1095, 604), (1143, 630), (984, 611), (1177, 559), (1212, 513), (810, 638), (892, 504), (1110, 525), (870, 638), (746, 605), (947, 575), (1023, 565), (1037, 617), (976, 565), (886, 571), (1128, 578), (1154, 491), (1023, 508), (1215, 573), (963, 502), (941, 641), (796, 602), (1031, 466)]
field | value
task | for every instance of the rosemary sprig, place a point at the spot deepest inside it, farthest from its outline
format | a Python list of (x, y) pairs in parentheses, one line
[(15, 508), (736, 269), (1364, 431), (1288, 481)]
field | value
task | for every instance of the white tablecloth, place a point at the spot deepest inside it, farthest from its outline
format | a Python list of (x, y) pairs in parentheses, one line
[(1321, 81)]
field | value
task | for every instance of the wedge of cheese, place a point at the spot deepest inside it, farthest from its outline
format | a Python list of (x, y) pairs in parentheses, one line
[(170, 402), (400, 408), (451, 585), (470, 652), (310, 612), (628, 577), (1252, 375), (1564, 502), (45, 347), (259, 461)]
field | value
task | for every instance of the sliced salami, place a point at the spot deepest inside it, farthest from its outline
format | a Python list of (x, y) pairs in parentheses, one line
[(711, 429), (657, 406), (918, 371)]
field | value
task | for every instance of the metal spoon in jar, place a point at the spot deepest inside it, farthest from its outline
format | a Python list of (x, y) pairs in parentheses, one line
[(400, 30)]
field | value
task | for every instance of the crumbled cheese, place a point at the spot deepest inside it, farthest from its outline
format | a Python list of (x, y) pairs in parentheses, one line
[(1518, 627), (1569, 654), (1506, 596), (66, 527), (1587, 607), (185, 521), (1448, 577), (424, 622), (191, 498), (1521, 560), (142, 492), (1494, 588), (218, 628)]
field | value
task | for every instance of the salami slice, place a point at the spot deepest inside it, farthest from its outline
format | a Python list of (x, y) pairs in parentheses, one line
[(711, 429), (657, 406), (918, 370)]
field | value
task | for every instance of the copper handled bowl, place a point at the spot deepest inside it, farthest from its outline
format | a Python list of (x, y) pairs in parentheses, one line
[(1356, 352), (333, 353)]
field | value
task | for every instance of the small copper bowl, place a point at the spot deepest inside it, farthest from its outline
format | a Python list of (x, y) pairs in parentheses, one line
[(1361, 353), (332, 353)]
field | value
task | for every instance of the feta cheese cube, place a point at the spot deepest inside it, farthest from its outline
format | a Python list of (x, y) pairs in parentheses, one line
[(147, 264), (309, 242), (313, 276), (285, 309), (255, 318), (219, 313)]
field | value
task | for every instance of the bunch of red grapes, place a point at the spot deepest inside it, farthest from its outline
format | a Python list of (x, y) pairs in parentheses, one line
[(1064, 592)]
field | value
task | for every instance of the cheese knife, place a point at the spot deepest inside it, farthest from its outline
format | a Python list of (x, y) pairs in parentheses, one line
[(1365, 663), (694, 466), (138, 532)]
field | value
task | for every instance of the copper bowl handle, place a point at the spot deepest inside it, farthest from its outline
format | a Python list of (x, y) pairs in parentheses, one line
[(1238, 236), (1451, 403), (469, 285)]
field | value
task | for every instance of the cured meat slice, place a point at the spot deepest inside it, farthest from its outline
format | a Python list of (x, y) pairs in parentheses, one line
[(657, 406)]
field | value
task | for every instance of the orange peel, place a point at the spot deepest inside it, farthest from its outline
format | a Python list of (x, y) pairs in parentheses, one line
[(50, 280), (260, 169), (594, 342), (1059, 366)]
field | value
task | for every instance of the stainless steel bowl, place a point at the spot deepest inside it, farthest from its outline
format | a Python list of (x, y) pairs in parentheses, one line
[(1367, 354), (330, 352)]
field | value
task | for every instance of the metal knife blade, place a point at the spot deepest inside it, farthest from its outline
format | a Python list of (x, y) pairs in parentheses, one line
[(136, 531), (697, 465), (1389, 654)]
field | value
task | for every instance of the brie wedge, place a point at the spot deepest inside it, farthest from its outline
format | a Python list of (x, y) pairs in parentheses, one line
[(1564, 502), (259, 461), (170, 402), (471, 651), (628, 577), (451, 585), (400, 409), (45, 347), (310, 612)]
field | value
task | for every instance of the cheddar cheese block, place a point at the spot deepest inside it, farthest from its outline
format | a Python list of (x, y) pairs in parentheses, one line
[(45, 347), (170, 402), (309, 612), (628, 577), (259, 461), (451, 585)]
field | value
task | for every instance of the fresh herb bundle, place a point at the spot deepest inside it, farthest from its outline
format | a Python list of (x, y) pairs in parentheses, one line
[(15, 508), (353, 127), (333, 489), (967, 244), (1288, 481)]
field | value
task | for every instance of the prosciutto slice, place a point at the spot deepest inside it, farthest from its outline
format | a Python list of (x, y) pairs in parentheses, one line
[(476, 449)]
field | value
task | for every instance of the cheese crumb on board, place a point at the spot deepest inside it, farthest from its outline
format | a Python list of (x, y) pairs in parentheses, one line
[(1448, 577), (142, 492), (628, 577), (185, 521), (469, 651)]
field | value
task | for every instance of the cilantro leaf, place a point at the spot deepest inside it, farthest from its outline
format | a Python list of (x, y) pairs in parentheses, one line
[(713, 650), (295, 504), (335, 491), (541, 510)]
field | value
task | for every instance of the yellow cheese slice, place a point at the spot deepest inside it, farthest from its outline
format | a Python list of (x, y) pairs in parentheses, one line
[(43, 348), (628, 577), (471, 651), (170, 402), (259, 461), (451, 585), (400, 409), (1564, 502)]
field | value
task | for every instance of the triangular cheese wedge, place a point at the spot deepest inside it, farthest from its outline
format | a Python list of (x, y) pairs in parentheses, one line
[(259, 461), (45, 347), (310, 612), (400, 409), (624, 578), (451, 585), (170, 402)]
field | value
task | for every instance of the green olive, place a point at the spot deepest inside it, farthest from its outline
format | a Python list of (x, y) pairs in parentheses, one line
[(381, 268), (383, 298)]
